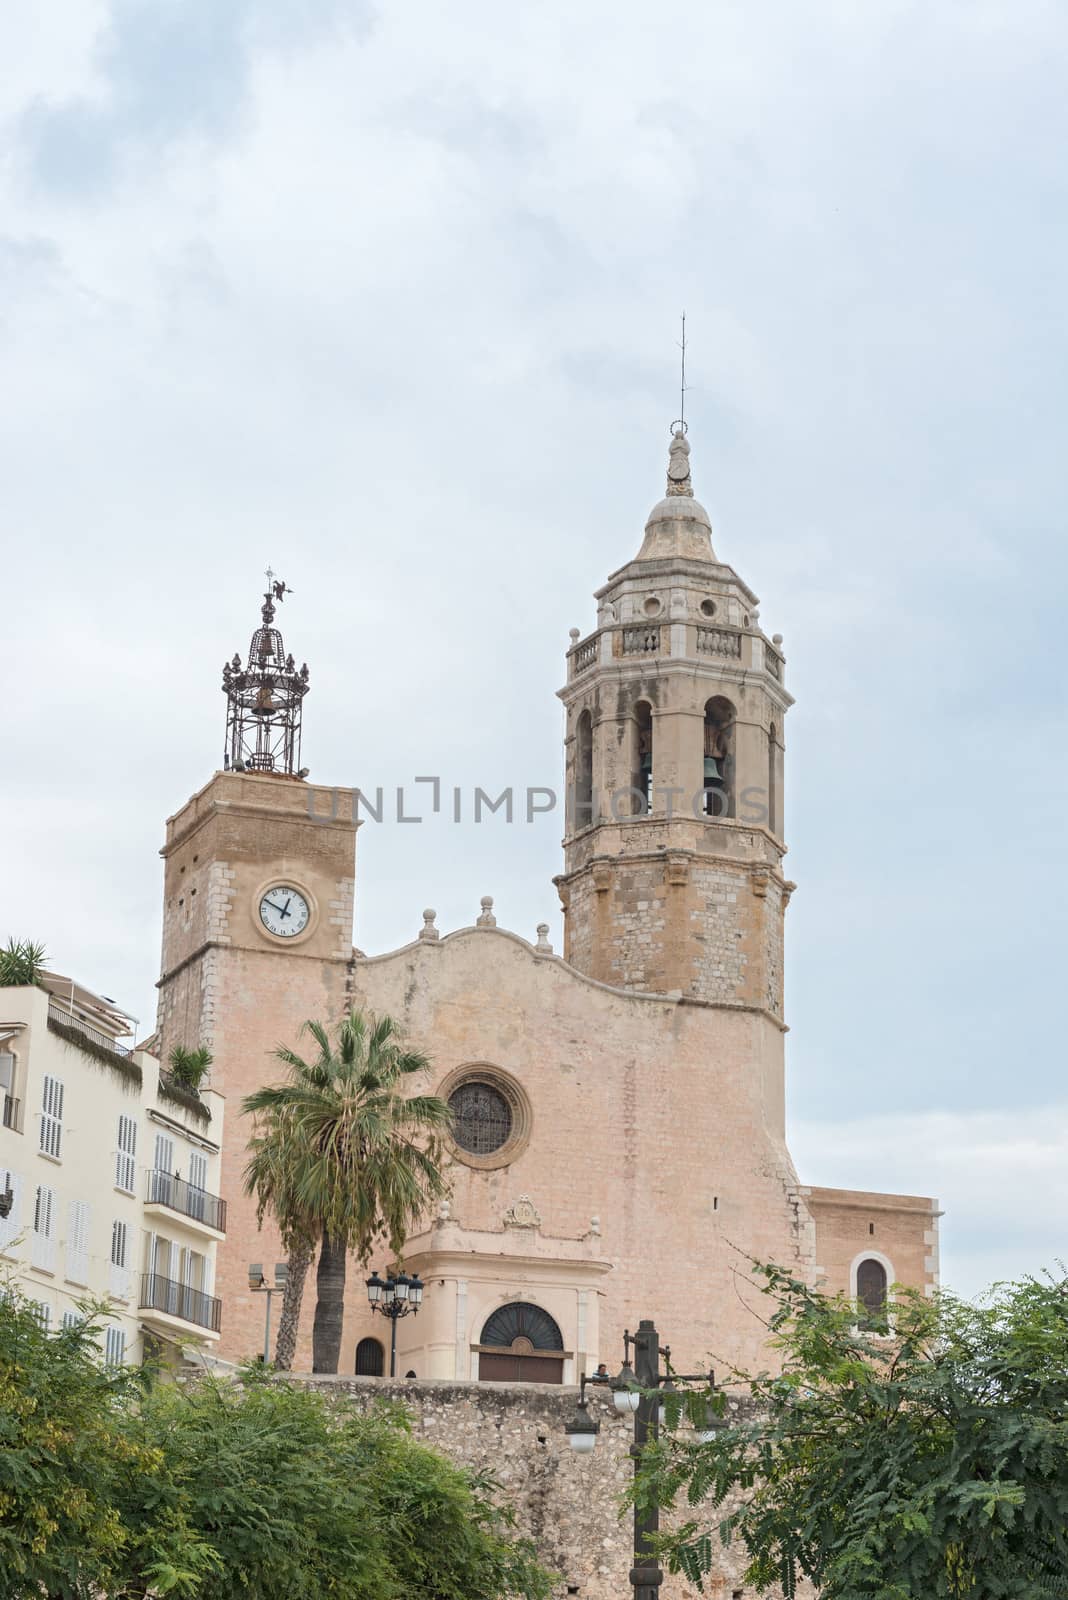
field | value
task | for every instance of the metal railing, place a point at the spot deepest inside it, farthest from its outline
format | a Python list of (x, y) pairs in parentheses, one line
[(12, 1113), (167, 1189), (179, 1300), (67, 1019)]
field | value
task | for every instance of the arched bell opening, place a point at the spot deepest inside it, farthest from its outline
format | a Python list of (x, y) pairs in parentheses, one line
[(718, 771), (520, 1343), (642, 764), (772, 797), (584, 771)]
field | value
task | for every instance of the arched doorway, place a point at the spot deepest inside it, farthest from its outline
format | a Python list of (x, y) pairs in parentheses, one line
[(521, 1343), (370, 1359)]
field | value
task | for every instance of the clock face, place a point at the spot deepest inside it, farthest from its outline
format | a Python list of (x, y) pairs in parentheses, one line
[(284, 911)]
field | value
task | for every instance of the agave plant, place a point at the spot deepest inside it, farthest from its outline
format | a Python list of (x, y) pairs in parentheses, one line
[(21, 964), (187, 1067)]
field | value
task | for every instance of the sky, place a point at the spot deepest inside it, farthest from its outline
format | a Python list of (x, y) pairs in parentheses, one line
[(387, 297)]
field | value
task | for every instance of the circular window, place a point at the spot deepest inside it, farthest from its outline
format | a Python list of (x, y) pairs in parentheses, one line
[(491, 1115), (653, 606), (708, 608), (482, 1118)]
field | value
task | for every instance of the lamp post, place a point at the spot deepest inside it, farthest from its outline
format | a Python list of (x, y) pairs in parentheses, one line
[(258, 1283), (395, 1297), (641, 1390)]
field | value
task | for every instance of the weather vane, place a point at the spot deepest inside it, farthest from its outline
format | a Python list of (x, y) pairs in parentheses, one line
[(679, 426)]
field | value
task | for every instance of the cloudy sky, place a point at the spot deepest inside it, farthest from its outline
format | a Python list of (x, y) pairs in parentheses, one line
[(387, 296)]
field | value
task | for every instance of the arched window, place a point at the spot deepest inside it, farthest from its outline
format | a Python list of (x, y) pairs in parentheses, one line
[(520, 1320), (370, 1359), (772, 819), (871, 1291), (719, 757), (584, 771), (521, 1343), (642, 780)]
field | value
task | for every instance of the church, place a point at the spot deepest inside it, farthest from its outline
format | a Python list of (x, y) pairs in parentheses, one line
[(619, 1147)]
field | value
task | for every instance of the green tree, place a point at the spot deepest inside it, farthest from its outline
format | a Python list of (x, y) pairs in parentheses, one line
[(67, 1451), (114, 1486), (299, 1495), (929, 1462), (340, 1155), (21, 963)]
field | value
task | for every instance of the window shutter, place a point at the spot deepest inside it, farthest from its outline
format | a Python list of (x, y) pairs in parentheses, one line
[(118, 1244), (69, 1319), (78, 1242), (114, 1347), (125, 1162), (43, 1244), (119, 1276), (51, 1138)]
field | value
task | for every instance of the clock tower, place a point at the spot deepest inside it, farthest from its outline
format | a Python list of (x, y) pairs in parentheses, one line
[(257, 924)]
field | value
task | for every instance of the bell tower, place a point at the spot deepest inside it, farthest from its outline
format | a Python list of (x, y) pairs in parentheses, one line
[(675, 704), (259, 883)]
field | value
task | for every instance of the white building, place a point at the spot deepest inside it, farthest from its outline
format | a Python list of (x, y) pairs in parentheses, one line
[(109, 1173)]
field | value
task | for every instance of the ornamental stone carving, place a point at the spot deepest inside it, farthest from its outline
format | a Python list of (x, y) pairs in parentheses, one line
[(678, 474), (523, 1213)]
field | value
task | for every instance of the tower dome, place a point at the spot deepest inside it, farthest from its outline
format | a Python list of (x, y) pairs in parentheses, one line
[(678, 525)]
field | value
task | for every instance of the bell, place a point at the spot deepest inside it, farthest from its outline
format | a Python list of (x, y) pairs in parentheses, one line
[(264, 702)]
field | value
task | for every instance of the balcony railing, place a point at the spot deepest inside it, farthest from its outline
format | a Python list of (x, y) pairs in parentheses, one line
[(67, 1019), (179, 1300), (12, 1113), (167, 1189)]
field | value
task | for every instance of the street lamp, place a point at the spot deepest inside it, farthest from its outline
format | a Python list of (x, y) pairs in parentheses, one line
[(395, 1297), (582, 1431), (258, 1283), (644, 1391)]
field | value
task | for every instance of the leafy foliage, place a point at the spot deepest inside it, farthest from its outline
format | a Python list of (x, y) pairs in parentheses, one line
[(66, 1454), (930, 1462), (113, 1487), (21, 963), (341, 1153)]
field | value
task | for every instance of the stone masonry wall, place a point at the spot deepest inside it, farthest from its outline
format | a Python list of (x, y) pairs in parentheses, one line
[(569, 1504)]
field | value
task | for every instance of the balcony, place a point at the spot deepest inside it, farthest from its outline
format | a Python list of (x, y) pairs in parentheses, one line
[(178, 1303), (85, 1037), (12, 1113), (196, 1205)]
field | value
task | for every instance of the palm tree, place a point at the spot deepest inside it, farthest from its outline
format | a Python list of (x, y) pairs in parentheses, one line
[(341, 1155)]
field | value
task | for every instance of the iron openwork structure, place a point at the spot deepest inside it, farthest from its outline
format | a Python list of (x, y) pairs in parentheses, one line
[(264, 699)]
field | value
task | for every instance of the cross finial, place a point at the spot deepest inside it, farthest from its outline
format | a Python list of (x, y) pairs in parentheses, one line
[(269, 576)]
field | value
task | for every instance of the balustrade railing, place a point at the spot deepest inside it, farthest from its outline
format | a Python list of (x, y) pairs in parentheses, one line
[(167, 1189), (179, 1300)]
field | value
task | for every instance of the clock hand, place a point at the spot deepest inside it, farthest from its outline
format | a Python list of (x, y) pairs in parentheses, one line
[(275, 907), (289, 902)]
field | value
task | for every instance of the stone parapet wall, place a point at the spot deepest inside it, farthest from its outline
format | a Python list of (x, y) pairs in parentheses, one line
[(569, 1504)]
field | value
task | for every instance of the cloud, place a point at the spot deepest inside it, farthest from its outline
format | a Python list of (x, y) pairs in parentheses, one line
[(164, 70), (389, 298), (1001, 1177)]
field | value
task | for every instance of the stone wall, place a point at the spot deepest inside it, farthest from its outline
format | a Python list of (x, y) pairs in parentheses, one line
[(568, 1503)]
